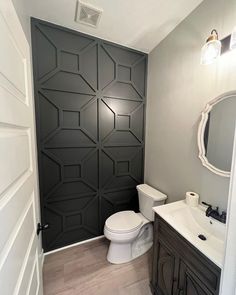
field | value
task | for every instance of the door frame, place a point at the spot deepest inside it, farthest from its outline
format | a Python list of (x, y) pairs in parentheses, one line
[(9, 15), (228, 278)]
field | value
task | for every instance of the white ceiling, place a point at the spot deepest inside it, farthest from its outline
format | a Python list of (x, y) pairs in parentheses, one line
[(133, 23)]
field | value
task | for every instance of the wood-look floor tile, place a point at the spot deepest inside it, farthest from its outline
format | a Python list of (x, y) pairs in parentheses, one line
[(138, 288), (84, 270)]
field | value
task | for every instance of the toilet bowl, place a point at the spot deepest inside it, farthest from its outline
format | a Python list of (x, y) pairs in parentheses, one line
[(130, 233)]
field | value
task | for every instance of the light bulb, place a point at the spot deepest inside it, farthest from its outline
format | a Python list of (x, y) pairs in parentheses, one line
[(211, 50), (233, 40)]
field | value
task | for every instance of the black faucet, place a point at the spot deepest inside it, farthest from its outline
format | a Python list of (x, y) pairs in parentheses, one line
[(214, 213)]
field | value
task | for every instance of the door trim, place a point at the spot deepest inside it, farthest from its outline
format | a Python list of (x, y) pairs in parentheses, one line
[(228, 281)]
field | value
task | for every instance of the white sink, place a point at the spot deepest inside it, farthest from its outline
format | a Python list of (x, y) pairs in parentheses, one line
[(192, 222)]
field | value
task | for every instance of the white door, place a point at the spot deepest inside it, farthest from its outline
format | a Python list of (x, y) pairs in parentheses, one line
[(228, 277), (20, 269)]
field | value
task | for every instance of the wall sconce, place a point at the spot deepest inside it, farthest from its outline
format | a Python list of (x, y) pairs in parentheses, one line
[(212, 49), (215, 47), (233, 39)]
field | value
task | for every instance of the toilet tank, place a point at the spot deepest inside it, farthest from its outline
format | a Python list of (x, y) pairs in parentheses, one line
[(148, 198)]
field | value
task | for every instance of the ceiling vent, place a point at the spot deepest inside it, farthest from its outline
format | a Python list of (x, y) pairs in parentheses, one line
[(87, 14)]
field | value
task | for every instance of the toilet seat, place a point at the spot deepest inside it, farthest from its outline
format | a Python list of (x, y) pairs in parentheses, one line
[(124, 222)]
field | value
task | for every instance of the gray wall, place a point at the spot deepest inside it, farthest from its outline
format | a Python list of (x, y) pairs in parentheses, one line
[(178, 89), (23, 16)]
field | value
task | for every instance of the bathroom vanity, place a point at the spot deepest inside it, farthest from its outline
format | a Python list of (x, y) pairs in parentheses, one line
[(183, 262)]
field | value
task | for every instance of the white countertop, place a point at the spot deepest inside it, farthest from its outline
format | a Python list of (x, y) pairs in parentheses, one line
[(192, 221)]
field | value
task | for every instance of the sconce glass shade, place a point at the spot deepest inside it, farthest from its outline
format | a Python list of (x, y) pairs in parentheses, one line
[(211, 50), (233, 39)]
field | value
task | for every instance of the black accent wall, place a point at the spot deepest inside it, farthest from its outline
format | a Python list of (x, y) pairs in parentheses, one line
[(90, 102)]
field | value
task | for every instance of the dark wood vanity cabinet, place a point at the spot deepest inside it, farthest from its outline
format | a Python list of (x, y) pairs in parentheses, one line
[(189, 283), (178, 267)]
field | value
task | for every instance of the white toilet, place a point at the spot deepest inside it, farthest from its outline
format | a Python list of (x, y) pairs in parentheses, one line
[(130, 233)]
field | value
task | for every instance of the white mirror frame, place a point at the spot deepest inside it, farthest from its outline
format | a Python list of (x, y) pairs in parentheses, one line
[(201, 131)]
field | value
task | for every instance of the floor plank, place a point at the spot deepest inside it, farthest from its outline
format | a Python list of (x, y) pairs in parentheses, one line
[(84, 270)]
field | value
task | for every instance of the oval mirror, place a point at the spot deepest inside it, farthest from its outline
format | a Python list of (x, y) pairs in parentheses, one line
[(216, 134)]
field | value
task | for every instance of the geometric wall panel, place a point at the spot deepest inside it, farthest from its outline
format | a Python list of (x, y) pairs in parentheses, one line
[(64, 40), (122, 168), (110, 74), (52, 173), (123, 122), (89, 118), (70, 156), (67, 100), (121, 106), (64, 81), (90, 104), (49, 116), (122, 55), (124, 73), (119, 200), (107, 120), (138, 74), (71, 119), (69, 62), (49, 61), (122, 138), (88, 61), (72, 171), (123, 90), (72, 221), (69, 138), (56, 225)]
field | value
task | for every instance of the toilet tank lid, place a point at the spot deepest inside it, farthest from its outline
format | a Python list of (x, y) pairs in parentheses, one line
[(151, 192)]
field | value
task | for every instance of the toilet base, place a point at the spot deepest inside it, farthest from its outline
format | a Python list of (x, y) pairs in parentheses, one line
[(119, 253), (127, 251)]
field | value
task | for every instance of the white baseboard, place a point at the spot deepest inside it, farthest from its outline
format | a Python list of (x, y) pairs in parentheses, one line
[(73, 245), (42, 260)]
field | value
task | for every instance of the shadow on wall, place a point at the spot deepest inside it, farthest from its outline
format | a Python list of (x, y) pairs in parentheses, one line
[(147, 33)]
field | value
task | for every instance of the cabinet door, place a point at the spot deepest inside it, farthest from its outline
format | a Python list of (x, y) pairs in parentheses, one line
[(189, 283), (166, 262)]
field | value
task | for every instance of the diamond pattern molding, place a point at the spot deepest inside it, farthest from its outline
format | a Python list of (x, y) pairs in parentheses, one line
[(90, 100)]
